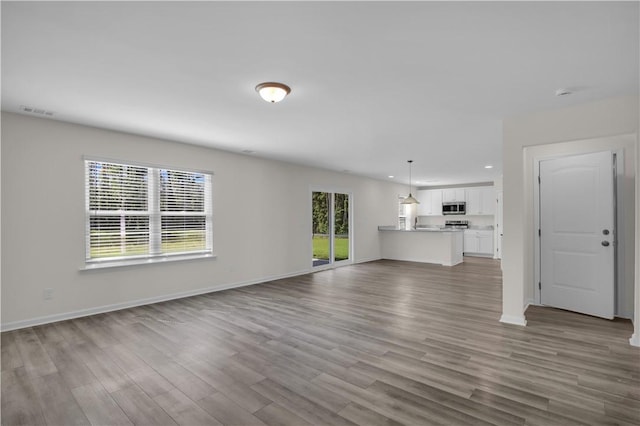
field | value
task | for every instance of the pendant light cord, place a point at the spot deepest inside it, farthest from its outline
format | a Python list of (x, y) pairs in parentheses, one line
[(410, 161)]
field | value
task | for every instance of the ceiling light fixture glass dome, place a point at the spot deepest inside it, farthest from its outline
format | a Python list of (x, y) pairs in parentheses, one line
[(273, 92)]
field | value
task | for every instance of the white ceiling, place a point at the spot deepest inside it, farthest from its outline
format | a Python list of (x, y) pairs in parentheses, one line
[(373, 83)]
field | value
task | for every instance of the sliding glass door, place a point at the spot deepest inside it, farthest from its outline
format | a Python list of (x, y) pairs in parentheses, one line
[(331, 229), (321, 213), (340, 227)]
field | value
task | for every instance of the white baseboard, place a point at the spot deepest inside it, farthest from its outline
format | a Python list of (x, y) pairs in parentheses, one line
[(625, 314), (530, 302), (368, 259), (15, 325), (635, 340), (513, 319), (429, 261)]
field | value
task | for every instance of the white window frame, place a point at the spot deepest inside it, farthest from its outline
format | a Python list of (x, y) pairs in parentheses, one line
[(155, 220)]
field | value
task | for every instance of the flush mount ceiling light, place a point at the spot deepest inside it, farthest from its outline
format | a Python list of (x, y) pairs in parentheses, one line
[(273, 92), (410, 199), (488, 166)]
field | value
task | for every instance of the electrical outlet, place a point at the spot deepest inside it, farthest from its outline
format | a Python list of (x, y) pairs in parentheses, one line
[(47, 294)]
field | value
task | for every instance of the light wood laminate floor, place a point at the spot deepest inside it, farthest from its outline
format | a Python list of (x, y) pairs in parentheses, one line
[(377, 343)]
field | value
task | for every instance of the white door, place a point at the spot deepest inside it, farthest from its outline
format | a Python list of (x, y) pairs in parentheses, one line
[(577, 235)]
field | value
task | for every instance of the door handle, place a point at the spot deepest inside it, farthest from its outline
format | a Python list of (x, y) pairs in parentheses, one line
[(605, 243)]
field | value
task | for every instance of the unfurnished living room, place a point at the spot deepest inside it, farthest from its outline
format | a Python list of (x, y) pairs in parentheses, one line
[(320, 213)]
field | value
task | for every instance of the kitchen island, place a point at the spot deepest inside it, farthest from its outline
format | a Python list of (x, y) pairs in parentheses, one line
[(429, 245)]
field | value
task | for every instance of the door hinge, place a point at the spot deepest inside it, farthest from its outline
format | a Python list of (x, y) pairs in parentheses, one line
[(538, 179), (539, 285), (539, 232)]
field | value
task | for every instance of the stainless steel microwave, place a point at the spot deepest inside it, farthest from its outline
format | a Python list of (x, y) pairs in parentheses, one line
[(455, 207)]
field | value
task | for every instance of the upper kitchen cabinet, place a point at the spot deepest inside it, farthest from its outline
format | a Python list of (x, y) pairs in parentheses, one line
[(424, 197), (453, 194), (430, 202), (436, 202), (481, 200)]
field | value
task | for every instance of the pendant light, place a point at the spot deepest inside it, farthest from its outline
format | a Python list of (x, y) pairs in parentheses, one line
[(410, 199)]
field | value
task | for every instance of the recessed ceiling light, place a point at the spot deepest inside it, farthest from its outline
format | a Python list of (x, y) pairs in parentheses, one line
[(273, 92), (391, 176), (563, 92), (489, 166)]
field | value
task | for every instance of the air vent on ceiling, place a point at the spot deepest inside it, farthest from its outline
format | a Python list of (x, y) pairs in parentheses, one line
[(563, 92), (39, 111)]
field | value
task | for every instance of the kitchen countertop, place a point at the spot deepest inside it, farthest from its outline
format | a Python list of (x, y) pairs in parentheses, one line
[(395, 228)]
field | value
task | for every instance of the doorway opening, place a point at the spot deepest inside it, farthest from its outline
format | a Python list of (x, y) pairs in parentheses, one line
[(331, 228)]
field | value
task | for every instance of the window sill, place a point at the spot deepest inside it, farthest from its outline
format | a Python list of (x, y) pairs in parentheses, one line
[(90, 266)]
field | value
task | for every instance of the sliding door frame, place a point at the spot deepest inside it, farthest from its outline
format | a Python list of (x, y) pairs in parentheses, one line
[(332, 191)]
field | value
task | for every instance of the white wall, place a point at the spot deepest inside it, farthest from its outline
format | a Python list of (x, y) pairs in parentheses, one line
[(609, 117), (635, 338), (262, 220)]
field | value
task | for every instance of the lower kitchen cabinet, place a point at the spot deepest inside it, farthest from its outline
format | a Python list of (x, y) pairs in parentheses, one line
[(471, 243), (478, 242)]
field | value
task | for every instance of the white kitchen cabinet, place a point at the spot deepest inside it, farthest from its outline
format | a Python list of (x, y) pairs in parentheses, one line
[(474, 201), (471, 244), (478, 242), (424, 196), (488, 198), (481, 200), (430, 202), (485, 243), (453, 194), (436, 202)]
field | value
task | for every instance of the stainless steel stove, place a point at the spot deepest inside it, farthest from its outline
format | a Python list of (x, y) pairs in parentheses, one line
[(457, 224)]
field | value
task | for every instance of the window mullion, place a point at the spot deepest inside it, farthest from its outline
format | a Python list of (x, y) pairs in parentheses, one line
[(155, 220)]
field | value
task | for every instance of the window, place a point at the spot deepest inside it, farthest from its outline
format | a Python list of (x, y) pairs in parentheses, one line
[(141, 213), (402, 213)]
